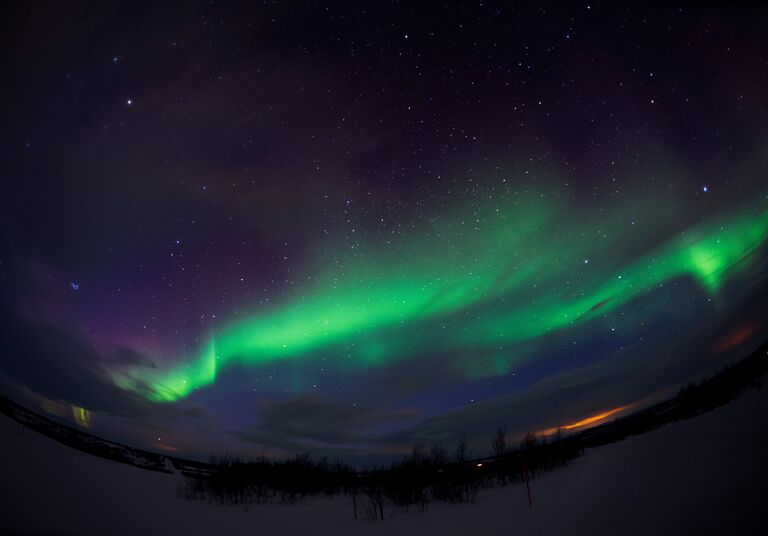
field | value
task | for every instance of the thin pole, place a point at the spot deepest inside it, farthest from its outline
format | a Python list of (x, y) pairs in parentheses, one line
[(527, 481)]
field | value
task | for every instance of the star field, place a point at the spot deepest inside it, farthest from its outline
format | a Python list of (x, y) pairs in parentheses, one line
[(409, 222)]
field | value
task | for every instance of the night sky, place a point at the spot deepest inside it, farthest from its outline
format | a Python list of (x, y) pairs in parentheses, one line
[(346, 228)]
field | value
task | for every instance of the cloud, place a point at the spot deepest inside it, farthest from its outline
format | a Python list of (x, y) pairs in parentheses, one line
[(57, 364), (311, 421), (128, 357), (548, 403)]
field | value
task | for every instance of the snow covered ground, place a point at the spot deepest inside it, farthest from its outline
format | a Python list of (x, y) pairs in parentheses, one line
[(702, 476)]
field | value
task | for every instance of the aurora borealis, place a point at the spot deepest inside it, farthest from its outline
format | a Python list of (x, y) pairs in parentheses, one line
[(400, 309), (347, 229)]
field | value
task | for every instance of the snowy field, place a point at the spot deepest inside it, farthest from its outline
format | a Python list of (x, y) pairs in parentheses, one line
[(671, 481)]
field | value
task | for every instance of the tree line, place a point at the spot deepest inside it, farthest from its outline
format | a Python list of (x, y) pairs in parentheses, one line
[(455, 475)]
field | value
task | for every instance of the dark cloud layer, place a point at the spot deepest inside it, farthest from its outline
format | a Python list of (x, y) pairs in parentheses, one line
[(58, 365), (315, 424)]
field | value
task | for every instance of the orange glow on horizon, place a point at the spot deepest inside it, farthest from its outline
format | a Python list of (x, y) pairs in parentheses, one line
[(739, 336), (166, 447), (594, 419)]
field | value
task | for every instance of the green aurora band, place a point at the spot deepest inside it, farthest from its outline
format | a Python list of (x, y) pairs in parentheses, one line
[(462, 285)]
